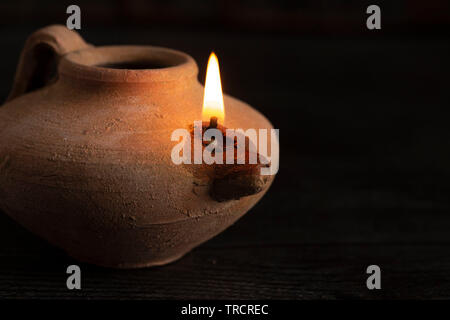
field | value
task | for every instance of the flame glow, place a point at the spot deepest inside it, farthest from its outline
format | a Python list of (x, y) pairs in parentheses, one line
[(213, 98)]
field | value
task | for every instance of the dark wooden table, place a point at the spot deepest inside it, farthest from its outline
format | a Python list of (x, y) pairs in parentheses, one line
[(365, 168)]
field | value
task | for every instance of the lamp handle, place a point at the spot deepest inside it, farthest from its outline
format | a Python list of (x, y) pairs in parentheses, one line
[(40, 56)]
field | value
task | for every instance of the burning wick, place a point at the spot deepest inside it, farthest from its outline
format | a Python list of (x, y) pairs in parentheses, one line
[(212, 125), (213, 122)]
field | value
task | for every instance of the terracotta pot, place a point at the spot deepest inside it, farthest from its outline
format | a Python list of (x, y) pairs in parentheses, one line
[(85, 151)]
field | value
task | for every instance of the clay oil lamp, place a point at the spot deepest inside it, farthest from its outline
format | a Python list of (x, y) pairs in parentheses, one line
[(85, 152)]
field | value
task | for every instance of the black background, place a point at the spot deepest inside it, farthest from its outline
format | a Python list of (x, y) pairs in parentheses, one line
[(365, 148)]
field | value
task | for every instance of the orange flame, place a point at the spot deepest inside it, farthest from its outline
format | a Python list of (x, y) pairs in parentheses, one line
[(213, 97)]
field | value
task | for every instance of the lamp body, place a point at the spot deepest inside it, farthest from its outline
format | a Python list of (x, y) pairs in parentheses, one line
[(85, 152)]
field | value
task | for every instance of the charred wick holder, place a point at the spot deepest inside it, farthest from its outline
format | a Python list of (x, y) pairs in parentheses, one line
[(231, 181), (85, 152)]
